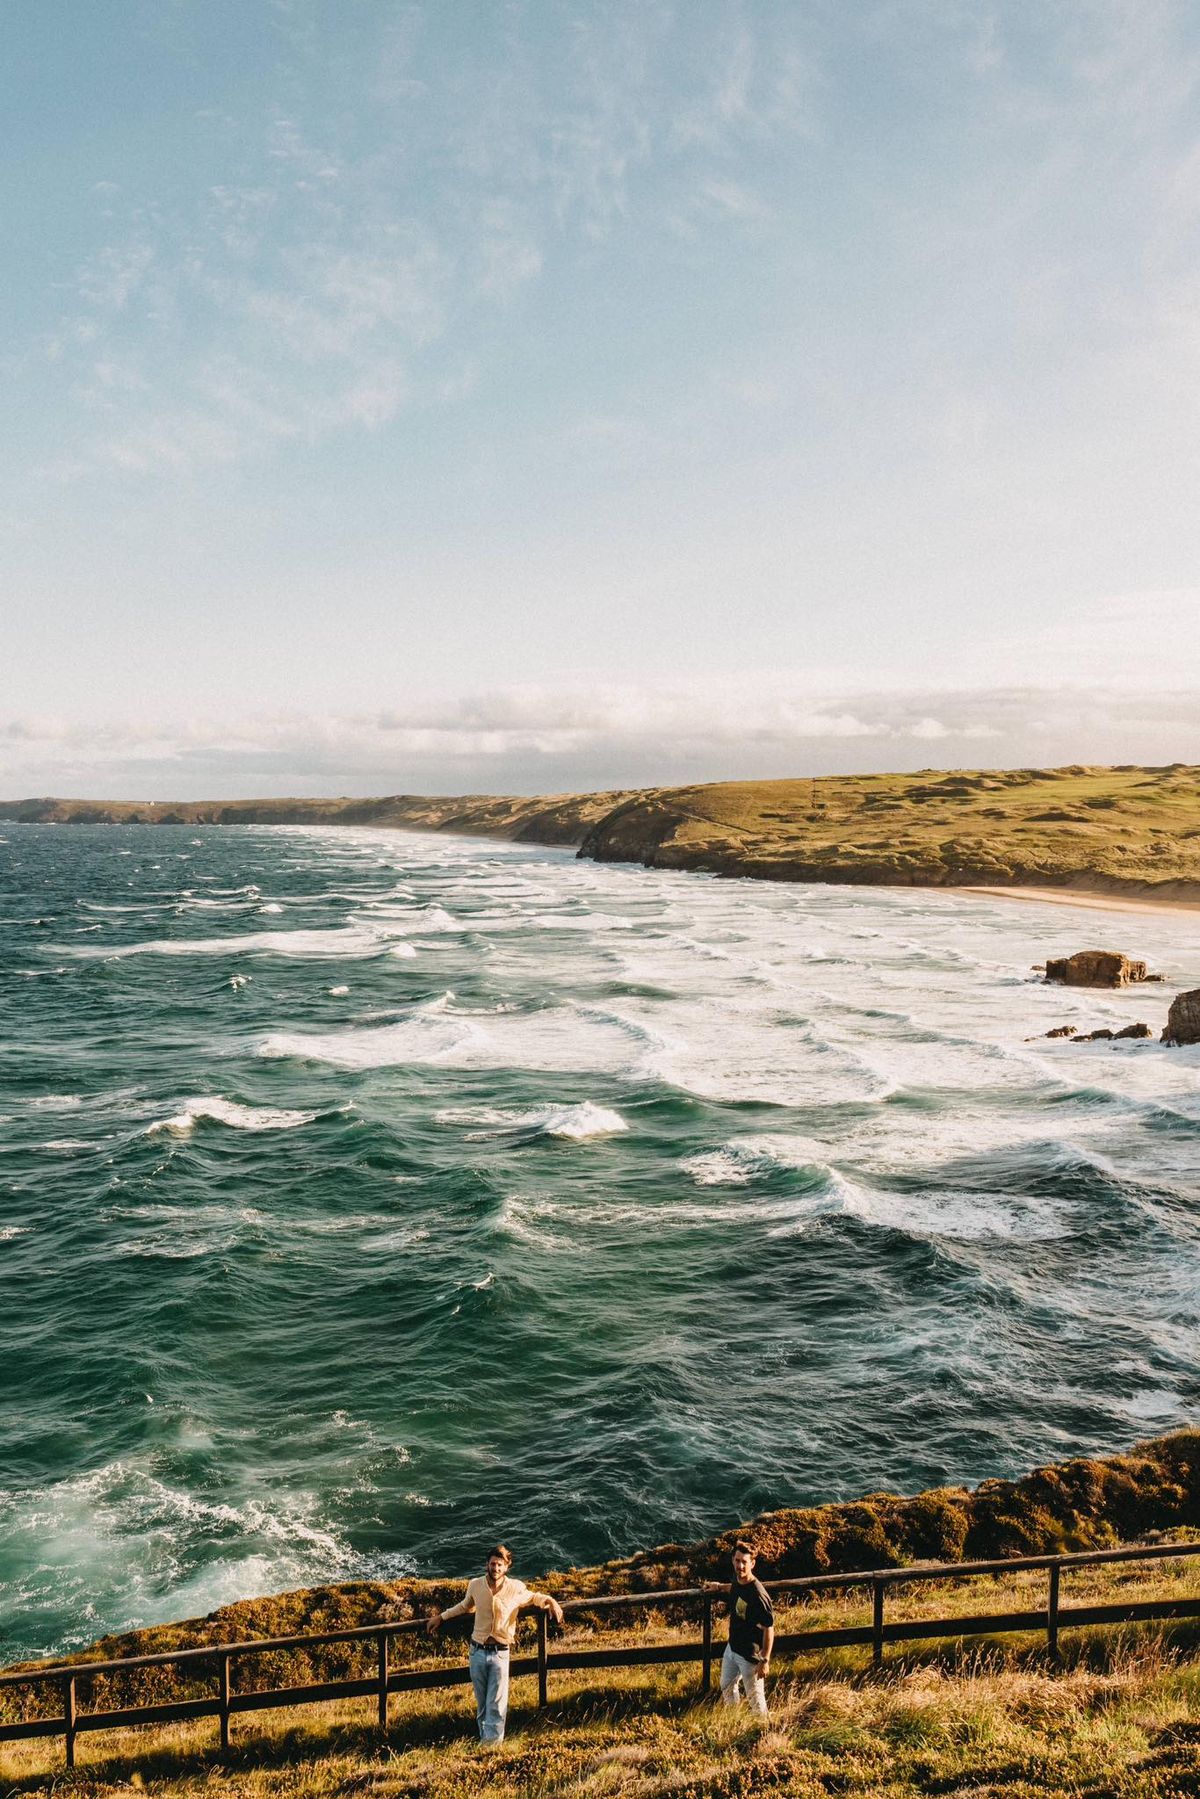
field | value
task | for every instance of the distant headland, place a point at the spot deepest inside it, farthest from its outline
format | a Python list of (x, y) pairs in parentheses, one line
[(1126, 832)]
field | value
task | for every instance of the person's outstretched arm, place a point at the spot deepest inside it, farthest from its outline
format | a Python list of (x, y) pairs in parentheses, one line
[(437, 1619), (546, 1602)]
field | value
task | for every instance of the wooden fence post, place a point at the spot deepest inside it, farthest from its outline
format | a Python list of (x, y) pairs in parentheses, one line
[(877, 1623), (223, 1701), (541, 1657), (69, 1715), (383, 1681), (706, 1665), (1052, 1611)]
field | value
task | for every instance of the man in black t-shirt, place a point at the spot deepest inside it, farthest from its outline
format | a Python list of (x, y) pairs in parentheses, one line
[(751, 1634)]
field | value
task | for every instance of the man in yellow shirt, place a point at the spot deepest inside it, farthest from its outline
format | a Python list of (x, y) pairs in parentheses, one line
[(495, 1598)]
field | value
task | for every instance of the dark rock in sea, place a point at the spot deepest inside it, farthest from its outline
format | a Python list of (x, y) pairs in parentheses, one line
[(1183, 1020), (1096, 968), (1069, 1030)]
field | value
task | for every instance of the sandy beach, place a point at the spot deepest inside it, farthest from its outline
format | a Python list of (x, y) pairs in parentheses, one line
[(1080, 897)]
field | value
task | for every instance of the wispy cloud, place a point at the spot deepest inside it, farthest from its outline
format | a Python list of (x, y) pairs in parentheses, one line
[(327, 263), (551, 739)]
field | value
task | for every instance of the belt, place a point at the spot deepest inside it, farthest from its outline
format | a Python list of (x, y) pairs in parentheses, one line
[(476, 1644)]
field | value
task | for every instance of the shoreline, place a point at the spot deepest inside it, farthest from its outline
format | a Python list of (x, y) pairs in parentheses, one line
[(1075, 1502), (1083, 897)]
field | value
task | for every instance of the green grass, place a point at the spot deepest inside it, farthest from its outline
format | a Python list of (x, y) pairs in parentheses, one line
[(1119, 1714), (1126, 829), (1109, 829), (1119, 1718)]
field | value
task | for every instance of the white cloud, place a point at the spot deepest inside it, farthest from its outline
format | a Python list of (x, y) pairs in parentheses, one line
[(551, 739)]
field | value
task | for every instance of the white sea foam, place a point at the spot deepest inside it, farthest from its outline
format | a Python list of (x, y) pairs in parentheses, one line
[(401, 921), (958, 1216), (227, 1111), (345, 940), (551, 1039), (271, 906), (9, 1231), (338, 992), (576, 1123), (420, 1039), (182, 1233), (123, 1526), (140, 906), (736, 1164)]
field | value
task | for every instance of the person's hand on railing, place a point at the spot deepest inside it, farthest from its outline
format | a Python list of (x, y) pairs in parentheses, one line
[(555, 1609), (433, 1620)]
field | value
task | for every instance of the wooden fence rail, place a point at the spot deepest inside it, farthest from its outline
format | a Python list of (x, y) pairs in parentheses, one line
[(225, 1703)]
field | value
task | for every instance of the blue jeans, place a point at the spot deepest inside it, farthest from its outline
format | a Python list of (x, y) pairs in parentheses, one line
[(489, 1677)]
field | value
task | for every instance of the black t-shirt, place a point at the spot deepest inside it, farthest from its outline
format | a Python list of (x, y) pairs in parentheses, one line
[(750, 1612)]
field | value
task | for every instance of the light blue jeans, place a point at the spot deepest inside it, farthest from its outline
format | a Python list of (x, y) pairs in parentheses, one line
[(489, 1677), (737, 1672)]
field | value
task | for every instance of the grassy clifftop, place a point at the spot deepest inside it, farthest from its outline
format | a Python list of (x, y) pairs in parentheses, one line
[(1106, 829), (561, 818), (1118, 830), (1068, 1506), (1116, 1716)]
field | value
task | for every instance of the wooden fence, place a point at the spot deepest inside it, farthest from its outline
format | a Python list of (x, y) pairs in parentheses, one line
[(226, 1703)]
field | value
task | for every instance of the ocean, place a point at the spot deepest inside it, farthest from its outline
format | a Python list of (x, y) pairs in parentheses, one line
[(365, 1197)]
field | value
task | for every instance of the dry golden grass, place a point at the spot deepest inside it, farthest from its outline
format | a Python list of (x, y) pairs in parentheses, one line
[(1119, 1715), (1106, 829), (1126, 829)]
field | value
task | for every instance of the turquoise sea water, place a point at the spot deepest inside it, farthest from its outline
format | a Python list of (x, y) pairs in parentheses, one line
[(364, 1197)]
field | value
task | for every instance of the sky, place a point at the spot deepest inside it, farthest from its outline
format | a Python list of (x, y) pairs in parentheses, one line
[(526, 395)]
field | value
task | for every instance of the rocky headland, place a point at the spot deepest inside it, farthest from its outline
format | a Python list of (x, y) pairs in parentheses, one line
[(1127, 831)]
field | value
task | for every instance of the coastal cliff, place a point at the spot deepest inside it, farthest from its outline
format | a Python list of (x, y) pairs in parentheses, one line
[(1062, 1508), (1107, 830), (552, 819), (1106, 1714), (1127, 830)]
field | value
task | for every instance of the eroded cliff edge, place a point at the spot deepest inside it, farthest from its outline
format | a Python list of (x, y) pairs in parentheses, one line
[(1080, 1504), (1117, 830), (1126, 830), (552, 819)]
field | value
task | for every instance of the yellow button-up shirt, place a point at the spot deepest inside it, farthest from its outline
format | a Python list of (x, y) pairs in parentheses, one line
[(495, 1612)]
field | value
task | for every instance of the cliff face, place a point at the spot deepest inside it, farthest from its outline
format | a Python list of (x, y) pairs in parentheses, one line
[(1068, 1506), (1119, 830), (554, 819)]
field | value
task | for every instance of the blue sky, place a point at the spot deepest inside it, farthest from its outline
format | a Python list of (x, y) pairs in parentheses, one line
[(534, 395)]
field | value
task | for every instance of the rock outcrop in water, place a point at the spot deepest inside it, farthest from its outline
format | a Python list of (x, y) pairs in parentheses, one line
[(1097, 968), (1138, 1031), (1183, 1019)]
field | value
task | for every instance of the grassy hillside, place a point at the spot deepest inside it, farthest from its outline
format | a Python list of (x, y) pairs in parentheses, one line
[(1117, 1716), (1075, 1505), (554, 818), (1106, 829), (1119, 830)]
